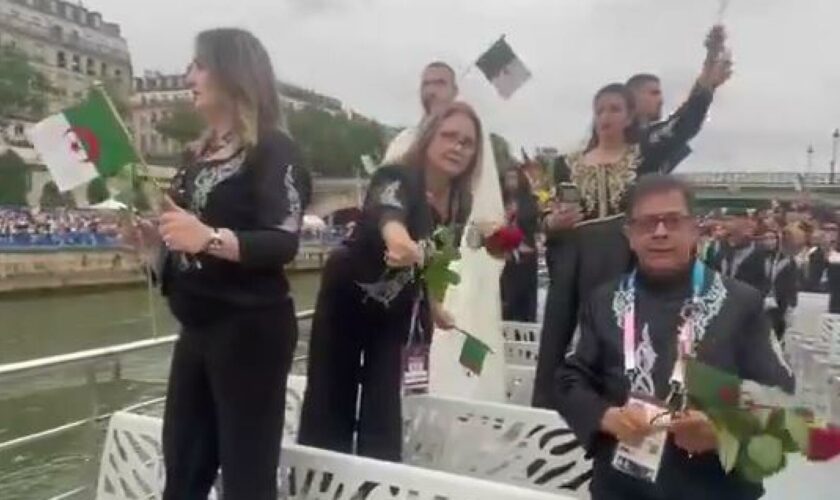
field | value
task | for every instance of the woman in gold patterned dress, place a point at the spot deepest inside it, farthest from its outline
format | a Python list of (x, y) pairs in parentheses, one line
[(586, 246)]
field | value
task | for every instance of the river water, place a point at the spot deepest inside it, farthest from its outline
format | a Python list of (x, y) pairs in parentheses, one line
[(33, 326)]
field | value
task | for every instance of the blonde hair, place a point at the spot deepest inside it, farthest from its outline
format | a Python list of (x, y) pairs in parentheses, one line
[(240, 66), (416, 154)]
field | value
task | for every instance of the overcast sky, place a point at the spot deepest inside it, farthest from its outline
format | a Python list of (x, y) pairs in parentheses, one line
[(785, 93)]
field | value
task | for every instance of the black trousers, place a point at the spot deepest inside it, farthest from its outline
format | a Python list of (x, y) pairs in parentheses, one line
[(355, 345), (519, 289), (776, 316), (225, 405)]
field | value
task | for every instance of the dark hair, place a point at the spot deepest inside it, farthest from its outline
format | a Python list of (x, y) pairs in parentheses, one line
[(240, 66), (443, 65), (639, 79), (656, 183), (631, 133), (523, 185)]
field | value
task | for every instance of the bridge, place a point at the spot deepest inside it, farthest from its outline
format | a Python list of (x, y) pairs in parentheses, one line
[(713, 189)]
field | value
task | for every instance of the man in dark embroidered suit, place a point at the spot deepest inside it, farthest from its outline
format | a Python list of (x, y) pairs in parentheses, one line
[(744, 260), (634, 336), (687, 121)]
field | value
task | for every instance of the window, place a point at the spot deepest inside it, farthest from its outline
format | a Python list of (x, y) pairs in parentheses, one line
[(118, 72), (56, 32), (144, 142), (61, 59), (103, 69), (91, 67), (154, 118), (54, 6), (143, 100), (77, 63)]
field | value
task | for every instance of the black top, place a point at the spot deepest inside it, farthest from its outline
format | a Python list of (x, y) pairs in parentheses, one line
[(748, 265), (523, 211), (260, 195), (782, 277), (736, 338), (398, 193)]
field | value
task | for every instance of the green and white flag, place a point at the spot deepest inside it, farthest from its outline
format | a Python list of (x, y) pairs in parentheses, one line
[(83, 142), (473, 353), (503, 68)]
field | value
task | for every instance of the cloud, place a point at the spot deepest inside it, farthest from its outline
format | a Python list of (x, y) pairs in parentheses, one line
[(369, 54)]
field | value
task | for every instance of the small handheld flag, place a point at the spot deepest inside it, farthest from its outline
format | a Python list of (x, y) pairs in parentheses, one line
[(83, 142), (503, 68), (473, 353)]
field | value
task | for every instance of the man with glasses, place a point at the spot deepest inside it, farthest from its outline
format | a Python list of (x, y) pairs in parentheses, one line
[(624, 358)]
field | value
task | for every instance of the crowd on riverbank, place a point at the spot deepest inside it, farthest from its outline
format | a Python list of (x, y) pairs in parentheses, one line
[(24, 228)]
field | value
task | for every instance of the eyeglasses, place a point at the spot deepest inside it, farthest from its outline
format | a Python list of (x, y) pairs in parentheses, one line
[(456, 139), (649, 223)]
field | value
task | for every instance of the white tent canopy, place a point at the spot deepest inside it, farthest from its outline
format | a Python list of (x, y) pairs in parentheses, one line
[(109, 204), (313, 222)]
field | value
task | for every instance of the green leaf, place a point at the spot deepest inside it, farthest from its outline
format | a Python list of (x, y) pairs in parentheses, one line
[(728, 448), (763, 415), (797, 427), (710, 387), (749, 470), (766, 452)]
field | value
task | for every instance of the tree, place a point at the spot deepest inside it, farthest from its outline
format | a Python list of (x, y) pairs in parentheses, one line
[(97, 191), (14, 179), (332, 144), (50, 196), (184, 125), (501, 151), (23, 89)]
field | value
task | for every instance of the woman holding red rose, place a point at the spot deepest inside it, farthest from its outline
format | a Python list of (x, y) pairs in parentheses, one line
[(519, 277)]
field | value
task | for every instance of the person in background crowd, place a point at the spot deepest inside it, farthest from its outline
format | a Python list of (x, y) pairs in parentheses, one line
[(833, 272), (373, 304), (230, 226), (598, 393), (815, 278), (744, 260), (585, 243), (782, 278), (438, 89), (519, 277)]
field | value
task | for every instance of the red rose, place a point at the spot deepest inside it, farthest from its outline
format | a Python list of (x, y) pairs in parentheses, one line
[(506, 239), (823, 443)]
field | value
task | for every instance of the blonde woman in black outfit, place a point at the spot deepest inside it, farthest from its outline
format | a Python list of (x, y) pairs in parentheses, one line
[(230, 225)]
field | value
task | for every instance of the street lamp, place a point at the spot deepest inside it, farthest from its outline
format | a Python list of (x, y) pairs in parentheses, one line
[(835, 140), (810, 163)]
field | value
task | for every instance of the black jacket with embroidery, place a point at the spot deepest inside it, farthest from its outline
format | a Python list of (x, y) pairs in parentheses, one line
[(260, 195), (736, 339)]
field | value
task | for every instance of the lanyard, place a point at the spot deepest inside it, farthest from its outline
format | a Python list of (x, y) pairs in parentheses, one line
[(685, 346)]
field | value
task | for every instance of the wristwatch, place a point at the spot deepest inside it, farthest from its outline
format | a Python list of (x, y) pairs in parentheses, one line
[(215, 242)]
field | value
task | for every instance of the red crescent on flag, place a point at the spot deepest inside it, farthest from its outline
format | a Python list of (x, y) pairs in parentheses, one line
[(89, 140)]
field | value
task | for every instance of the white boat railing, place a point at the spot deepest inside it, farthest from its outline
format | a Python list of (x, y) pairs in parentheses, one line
[(83, 370)]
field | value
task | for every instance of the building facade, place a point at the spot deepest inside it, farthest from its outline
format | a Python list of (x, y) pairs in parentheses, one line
[(71, 45), (156, 96)]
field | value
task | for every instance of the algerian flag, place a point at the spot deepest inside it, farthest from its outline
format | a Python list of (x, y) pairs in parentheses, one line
[(504, 70), (83, 142), (473, 353)]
